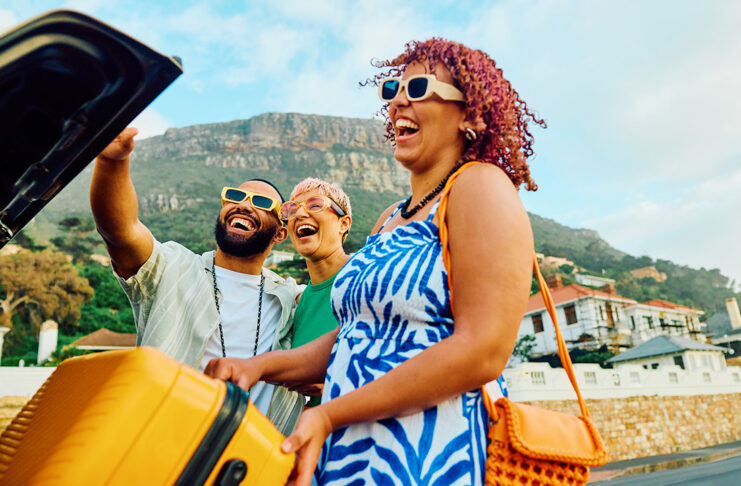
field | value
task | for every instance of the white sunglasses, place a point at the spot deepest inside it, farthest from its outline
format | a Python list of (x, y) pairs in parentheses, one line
[(418, 87)]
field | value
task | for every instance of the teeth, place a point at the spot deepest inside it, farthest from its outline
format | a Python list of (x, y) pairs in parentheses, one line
[(404, 123), (243, 223), (305, 229)]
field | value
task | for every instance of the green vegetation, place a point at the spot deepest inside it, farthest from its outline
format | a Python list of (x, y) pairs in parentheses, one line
[(524, 347), (702, 289), (178, 179), (578, 355)]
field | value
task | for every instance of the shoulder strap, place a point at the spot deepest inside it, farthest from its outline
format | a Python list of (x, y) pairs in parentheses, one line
[(393, 213), (563, 353)]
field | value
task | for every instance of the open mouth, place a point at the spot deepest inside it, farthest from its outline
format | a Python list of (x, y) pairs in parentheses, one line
[(305, 230), (405, 127), (243, 223)]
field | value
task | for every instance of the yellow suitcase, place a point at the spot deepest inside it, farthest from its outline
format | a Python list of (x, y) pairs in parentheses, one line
[(138, 417)]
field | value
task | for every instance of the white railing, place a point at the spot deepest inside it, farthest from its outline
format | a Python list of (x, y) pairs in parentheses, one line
[(22, 381), (538, 381), (526, 382)]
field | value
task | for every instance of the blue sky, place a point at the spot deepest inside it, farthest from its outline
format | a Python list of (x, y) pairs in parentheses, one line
[(641, 98)]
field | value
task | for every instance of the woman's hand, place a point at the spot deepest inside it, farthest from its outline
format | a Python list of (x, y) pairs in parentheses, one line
[(306, 441), (242, 372)]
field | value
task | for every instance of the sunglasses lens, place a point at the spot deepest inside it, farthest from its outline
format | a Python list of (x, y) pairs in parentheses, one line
[(261, 202), (288, 210), (314, 204), (389, 89), (417, 88), (235, 195)]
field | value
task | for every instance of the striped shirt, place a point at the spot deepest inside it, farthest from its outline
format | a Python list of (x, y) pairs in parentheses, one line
[(174, 310)]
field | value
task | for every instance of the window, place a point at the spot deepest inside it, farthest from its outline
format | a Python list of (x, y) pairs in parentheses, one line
[(616, 379), (706, 377), (635, 377), (590, 377), (679, 361), (632, 322), (570, 311), (662, 322), (537, 378), (610, 315), (654, 366), (537, 323), (673, 378), (736, 377), (648, 321)]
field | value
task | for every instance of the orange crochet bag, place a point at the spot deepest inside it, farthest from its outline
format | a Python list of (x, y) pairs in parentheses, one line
[(530, 445)]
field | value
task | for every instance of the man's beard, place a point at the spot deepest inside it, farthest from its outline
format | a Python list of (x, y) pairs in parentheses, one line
[(243, 246)]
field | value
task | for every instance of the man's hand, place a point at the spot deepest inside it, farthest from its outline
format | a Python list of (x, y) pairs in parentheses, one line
[(311, 389), (121, 146), (242, 372)]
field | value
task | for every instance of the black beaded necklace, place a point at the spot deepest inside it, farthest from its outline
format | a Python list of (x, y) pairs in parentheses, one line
[(218, 309), (407, 213)]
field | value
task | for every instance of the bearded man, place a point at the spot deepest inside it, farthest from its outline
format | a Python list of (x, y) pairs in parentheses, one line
[(199, 307)]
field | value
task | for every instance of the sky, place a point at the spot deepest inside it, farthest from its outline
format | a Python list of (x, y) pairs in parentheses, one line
[(642, 98)]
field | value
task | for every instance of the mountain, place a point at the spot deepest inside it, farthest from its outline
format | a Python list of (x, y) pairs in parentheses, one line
[(178, 177)]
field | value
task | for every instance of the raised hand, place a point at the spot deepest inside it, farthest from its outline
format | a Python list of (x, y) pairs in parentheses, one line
[(121, 146)]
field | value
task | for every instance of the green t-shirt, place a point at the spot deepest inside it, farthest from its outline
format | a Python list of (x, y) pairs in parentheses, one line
[(314, 316)]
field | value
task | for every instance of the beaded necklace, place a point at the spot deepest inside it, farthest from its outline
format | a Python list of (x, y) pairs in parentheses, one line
[(218, 309), (407, 213)]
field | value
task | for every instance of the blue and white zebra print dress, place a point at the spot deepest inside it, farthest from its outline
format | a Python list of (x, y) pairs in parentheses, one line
[(392, 302)]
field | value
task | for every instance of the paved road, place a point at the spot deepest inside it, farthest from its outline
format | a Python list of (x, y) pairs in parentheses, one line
[(724, 472)]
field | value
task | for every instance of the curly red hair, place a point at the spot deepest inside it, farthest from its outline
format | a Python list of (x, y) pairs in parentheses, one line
[(499, 116)]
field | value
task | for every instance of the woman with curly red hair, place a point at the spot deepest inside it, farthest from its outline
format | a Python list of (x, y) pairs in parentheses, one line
[(402, 401)]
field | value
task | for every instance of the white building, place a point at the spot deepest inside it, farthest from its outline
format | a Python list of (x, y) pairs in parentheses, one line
[(593, 281), (590, 318), (277, 256), (660, 317), (663, 351)]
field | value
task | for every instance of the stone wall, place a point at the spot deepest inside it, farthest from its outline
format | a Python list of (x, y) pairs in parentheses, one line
[(647, 426), (631, 427)]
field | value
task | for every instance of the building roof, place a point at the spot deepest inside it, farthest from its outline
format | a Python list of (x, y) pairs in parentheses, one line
[(661, 345), (569, 293), (104, 338), (669, 305), (720, 325)]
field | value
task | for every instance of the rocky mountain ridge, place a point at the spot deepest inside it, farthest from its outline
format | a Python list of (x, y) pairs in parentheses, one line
[(352, 152)]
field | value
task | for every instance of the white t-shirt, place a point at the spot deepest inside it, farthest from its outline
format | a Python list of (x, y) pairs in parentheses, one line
[(240, 297)]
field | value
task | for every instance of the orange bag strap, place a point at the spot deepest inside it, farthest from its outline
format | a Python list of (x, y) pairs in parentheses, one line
[(563, 352)]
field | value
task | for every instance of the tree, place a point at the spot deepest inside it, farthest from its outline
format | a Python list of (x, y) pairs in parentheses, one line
[(78, 238), (295, 268), (45, 284), (524, 347)]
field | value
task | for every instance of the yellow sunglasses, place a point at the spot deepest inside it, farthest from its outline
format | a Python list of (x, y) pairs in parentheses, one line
[(258, 201)]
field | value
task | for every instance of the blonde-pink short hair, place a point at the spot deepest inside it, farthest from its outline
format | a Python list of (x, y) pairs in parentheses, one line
[(332, 191)]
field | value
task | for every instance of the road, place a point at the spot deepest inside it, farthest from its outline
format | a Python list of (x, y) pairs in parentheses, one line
[(724, 472)]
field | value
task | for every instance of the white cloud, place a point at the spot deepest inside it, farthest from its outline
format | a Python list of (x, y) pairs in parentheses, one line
[(151, 123), (699, 227), (8, 20), (89, 6)]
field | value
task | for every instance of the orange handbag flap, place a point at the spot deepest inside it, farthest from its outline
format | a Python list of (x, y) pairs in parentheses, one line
[(544, 434)]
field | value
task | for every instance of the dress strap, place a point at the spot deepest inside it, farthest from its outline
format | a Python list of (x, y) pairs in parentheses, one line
[(433, 210), (393, 213)]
